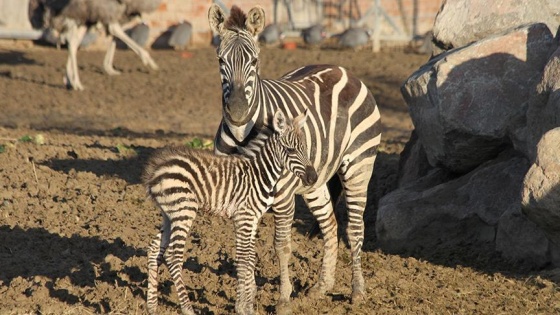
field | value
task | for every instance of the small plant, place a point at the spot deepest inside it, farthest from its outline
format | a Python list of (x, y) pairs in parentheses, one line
[(197, 143), (37, 139), (26, 138), (126, 151), (2, 148)]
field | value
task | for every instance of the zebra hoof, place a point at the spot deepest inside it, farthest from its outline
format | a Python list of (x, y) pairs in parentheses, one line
[(316, 292), (357, 297), (245, 309), (283, 308), (187, 312)]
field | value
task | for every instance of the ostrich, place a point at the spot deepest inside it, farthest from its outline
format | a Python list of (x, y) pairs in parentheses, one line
[(72, 18)]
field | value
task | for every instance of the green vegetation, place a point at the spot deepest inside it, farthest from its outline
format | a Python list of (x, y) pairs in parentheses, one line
[(126, 151), (197, 143)]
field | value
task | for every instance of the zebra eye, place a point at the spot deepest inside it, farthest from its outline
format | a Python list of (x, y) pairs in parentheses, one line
[(291, 150), (220, 60), (254, 62)]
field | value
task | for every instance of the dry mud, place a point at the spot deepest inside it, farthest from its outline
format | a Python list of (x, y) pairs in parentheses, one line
[(75, 223)]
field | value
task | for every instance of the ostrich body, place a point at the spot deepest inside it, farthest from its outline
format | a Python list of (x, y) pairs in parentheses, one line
[(72, 18)]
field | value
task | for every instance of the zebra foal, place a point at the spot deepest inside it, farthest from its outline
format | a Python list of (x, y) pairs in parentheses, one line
[(183, 181), (343, 132)]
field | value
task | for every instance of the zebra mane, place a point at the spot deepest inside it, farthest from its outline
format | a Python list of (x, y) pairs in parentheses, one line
[(236, 20)]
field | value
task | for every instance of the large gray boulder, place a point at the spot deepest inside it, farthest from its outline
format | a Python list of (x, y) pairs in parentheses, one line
[(520, 240), (541, 187), (464, 102), (461, 22), (465, 209), (413, 162), (543, 113)]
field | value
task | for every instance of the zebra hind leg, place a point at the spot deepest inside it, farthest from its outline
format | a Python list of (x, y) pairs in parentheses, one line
[(355, 178), (180, 227), (320, 204), (155, 259)]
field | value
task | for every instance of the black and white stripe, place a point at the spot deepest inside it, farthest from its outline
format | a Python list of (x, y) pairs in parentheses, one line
[(342, 132), (183, 181)]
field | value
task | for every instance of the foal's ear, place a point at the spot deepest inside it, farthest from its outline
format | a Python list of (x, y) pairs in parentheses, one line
[(300, 120), (279, 122), (255, 20), (216, 19)]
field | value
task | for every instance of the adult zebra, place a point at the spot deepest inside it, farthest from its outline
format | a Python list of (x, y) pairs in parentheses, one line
[(343, 132)]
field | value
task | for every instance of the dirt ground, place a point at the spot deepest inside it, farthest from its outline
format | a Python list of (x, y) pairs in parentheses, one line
[(75, 223)]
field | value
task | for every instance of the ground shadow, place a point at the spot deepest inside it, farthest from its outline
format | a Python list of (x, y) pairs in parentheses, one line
[(37, 252), (14, 58), (129, 169)]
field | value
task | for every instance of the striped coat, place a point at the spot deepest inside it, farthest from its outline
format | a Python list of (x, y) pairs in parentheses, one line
[(343, 132)]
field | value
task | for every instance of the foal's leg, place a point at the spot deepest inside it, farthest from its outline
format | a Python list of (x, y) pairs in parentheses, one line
[(283, 209), (245, 233), (155, 259), (180, 227)]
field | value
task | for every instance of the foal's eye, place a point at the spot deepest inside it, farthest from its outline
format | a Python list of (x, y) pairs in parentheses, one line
[(254, 61)]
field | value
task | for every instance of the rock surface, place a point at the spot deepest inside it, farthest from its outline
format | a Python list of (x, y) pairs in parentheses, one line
[(541, 192), (463, 103), (464, 209), (461, 22)]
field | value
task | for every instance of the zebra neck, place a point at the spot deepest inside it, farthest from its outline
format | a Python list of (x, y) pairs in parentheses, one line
[(268, 164), (265, 103)]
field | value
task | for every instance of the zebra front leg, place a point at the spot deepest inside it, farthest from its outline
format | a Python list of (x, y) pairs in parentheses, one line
[(155, 259), (320, 204), (283, 218), (355, 177), (245, 234)]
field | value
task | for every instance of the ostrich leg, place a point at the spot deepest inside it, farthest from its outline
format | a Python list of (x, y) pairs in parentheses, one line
[(74, 36), (116, 30), (108, 60)]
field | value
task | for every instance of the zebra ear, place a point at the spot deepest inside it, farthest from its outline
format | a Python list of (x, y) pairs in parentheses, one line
[(255, 20), (279, 122), (216, 19), (300, 120)]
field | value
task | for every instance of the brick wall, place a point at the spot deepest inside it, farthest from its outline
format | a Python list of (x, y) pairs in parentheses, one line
[(411, 17)]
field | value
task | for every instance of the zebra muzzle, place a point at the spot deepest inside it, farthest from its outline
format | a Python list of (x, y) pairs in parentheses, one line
[(310, 176)]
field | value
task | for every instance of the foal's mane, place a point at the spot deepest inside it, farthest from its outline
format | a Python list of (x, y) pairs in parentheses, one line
[(236, 19)]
